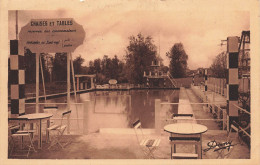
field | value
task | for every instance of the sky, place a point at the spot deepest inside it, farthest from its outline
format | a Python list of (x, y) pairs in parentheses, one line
[(108, 30)]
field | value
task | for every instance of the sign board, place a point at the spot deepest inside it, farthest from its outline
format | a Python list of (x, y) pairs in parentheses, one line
[(51, 35), (112, 82)]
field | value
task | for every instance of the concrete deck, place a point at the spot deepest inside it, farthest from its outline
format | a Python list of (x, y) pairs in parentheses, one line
[(122, 143), (184, 107), (125, 146)]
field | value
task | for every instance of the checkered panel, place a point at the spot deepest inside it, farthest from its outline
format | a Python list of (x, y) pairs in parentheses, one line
[(21, 62), (206, 78), (233, 92), (14, 63), (14, 76), (21, 75), (14, 91), (233, 60), (232, 44), (21, 106), (14, 47), (232, 110), (17, 79), (232, 76), (14, 106)]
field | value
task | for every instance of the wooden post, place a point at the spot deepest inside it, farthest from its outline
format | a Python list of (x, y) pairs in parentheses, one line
[(92, 82), (37, 82), (68, 88), (77, 83)]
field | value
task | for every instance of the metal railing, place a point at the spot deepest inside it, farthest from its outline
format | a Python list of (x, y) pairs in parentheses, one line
[(216, 90), (216, 108)]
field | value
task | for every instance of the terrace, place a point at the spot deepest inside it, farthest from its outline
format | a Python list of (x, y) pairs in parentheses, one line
[(121, 143)]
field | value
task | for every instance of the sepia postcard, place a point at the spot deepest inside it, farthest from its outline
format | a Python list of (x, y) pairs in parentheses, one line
[(129, 82)]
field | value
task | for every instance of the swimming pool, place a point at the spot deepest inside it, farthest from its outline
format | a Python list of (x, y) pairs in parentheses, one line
[(117, 109)]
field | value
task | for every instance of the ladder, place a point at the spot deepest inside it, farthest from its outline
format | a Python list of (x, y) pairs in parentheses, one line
[(174, 83)]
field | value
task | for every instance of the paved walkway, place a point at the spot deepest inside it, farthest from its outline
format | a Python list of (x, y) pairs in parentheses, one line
[(209, 96), (184, 108)]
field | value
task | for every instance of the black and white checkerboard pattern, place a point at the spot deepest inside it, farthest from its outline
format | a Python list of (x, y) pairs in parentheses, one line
[(17, 79), (206, 80), (232, 77)]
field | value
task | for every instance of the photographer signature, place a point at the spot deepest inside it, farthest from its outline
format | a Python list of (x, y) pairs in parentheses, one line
[(218, 146)]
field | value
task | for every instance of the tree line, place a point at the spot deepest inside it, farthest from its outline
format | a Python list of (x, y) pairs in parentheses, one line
[(138, 57)]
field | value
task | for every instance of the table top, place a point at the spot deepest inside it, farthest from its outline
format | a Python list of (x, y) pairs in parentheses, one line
[(185, 128), (33, 116)]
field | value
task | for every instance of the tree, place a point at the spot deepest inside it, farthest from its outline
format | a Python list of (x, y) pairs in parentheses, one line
[(60, 67), (178, 60), (139, 56), (47, 65), (219, 65), (30, 66), (77, 64), (97, 65)]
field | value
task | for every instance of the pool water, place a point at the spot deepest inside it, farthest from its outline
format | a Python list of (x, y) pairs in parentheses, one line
[(117, 109)]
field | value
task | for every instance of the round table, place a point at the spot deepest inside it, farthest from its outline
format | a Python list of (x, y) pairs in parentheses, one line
[(185, 128), (186, 133), (37, 118)]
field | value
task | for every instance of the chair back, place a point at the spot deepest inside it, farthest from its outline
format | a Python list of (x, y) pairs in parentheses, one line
[(65, 115), (138, 130)]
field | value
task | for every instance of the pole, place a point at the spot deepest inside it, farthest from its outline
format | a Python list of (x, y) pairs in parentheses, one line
[(68, 88), (43, 83), (68, 81), (37, 82), (16, 25), (74, 88), (206, 78)]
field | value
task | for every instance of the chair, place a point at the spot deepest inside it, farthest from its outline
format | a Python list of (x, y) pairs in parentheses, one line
[(148, 145), (51, 110), (58, 130), (15, 131)]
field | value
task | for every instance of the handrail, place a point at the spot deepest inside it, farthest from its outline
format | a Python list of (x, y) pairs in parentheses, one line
[(244, 131), (244, 110), (199, 119), (165, 103), (53, 103)]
